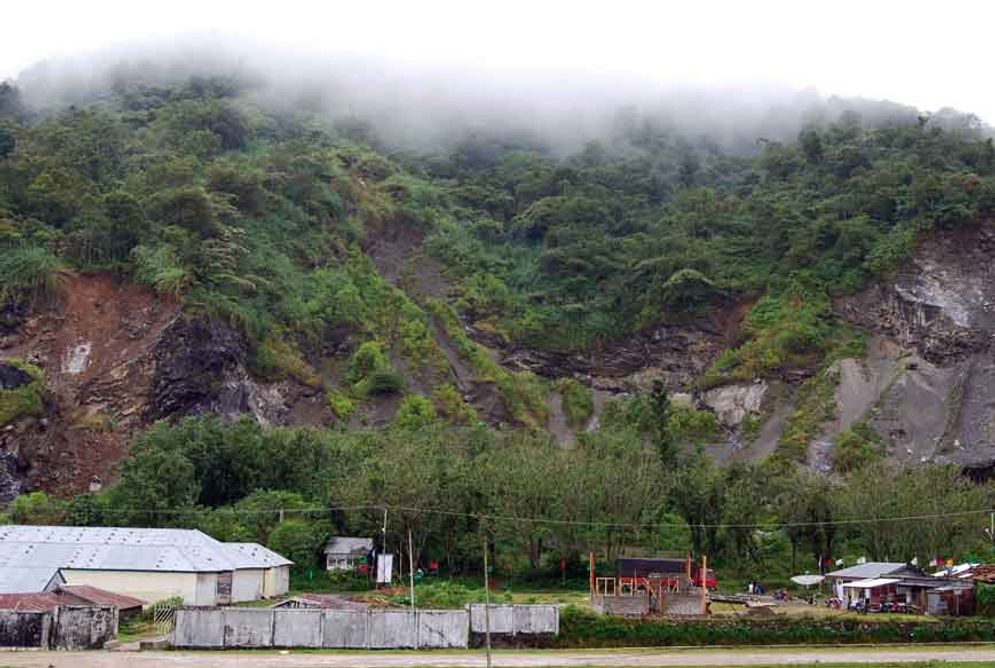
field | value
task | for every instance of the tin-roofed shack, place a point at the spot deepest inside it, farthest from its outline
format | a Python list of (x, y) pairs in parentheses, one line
[(344, 553)]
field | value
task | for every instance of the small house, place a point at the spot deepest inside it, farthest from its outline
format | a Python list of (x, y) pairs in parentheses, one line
[(344, 553), (128, 606), (866, 574)]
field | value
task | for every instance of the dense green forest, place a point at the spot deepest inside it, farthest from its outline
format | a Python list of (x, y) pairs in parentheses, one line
[(261, 220), (537, 501)]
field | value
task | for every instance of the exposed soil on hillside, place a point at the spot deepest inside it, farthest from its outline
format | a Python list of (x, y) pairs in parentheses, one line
[(95, 348)]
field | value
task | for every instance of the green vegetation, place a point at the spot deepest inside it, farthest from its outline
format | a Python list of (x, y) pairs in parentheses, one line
[(454, 486), (26, 400), (341, 405), (814, 406), (578, 402), (449, 595), (269, 222), (856, 447), (197, 191), (581, 628)]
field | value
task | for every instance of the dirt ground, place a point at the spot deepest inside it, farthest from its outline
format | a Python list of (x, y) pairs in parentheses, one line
[(982, 654)]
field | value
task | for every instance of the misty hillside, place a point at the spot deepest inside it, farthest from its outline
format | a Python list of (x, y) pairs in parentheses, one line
[(209, 291)]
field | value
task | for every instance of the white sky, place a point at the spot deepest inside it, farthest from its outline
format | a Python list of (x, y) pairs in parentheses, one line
[(929, 54)]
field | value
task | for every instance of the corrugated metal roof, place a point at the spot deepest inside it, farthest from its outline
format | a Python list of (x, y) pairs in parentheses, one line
[(326, 601), (871, 583), (107, 548), (872, 569), (102, 535), (254, 555), (349, 545), (99, 596), (21, 579), (42, 602)]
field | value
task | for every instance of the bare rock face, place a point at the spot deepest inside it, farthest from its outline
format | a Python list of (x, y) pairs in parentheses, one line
[(677, 352), (199, 368), (928, 384), (732, 403), (941, 303)]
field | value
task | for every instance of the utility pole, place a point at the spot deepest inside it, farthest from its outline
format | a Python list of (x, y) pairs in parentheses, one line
[(704, 588), (411, 576), (591, 582), (487, 605), (382, 558)]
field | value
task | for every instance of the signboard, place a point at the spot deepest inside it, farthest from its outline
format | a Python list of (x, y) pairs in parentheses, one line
[(385, 568)]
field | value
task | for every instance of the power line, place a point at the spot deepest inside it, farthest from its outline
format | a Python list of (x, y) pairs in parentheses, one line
[(380, 507)]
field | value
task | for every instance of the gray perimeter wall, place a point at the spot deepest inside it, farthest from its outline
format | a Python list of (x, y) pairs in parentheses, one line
[(516, 619), (623, 606), (348, 629), (24, 629), (65, 627)]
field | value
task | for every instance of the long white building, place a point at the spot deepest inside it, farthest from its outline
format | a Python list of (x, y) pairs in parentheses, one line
[(150, 564)]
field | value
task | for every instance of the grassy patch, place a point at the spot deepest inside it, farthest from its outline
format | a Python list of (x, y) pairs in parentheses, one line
[(445, 594), (816, 405), (856, 447), (578, 402), (341, 405)]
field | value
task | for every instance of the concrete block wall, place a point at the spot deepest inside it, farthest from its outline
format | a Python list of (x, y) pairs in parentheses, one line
[(443, 628), (65, 627), (83, 627), (515, 619), (301, 628), (623, 606), (24, 629), (248, 627), (347, 629), (199, 627)]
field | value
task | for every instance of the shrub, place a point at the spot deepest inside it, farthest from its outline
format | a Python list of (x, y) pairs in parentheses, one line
[(856, 447), (30, 271), (341, 405), (37, 508), (984, 596), (451, 406), (578, 402), (26, 400), (415, 411), (382, 381), (277, 357), (161, 269), (524, 395), (583, 628), (369, 357), (370, 372)]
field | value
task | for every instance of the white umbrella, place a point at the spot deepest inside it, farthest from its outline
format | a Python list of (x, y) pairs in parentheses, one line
[(807, 580)]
